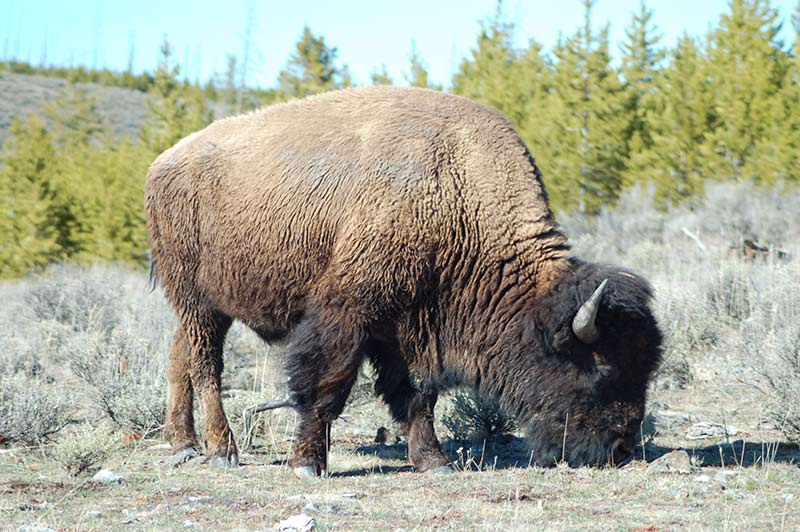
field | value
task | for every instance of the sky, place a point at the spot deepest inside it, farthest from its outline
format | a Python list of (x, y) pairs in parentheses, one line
[(367, 33)]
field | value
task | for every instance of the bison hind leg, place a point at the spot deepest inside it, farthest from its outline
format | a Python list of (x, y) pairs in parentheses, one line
[(411, 407), (179, 429)]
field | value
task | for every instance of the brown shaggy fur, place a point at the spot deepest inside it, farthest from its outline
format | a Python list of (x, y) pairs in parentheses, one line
[(406, 226)]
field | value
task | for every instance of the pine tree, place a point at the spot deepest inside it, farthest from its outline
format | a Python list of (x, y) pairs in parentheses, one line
[(498, 75), (641, 57), (75, 116), (417, 75), (747, 68), (229, 88), (111, 200), (28, 235), (680, 127), (582, 142), (174, 110), (516, 82), (776, 155), (381, 76), (76, 130), (312, 68)]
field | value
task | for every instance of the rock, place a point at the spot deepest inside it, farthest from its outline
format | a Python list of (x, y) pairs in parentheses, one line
[(296, 523), (707, 429), (673, 462), (160, 447), (106, 476), (94, 513), (702, 478), (322, 508), (185, 456), (670, 419), (34, 528), (722, 475)]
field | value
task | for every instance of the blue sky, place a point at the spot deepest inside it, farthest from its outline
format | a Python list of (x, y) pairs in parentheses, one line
[(366, 33)]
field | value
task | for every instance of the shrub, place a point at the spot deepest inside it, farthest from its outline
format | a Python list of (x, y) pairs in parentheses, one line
[(771, 345), (730, 296), (30, 411), (125, 374), (85, 450), (473, 417), (78, 297)]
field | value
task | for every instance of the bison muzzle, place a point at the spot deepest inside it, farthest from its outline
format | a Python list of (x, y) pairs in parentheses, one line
[(409, 228)]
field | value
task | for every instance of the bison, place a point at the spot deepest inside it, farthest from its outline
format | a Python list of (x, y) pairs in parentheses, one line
[(403, 226)]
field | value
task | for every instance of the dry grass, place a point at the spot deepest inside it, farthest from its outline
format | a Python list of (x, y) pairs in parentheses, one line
[(759, 491)]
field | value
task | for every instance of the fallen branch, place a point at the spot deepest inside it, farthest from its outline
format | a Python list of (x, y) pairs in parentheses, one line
[(248, 413), (696, 239)]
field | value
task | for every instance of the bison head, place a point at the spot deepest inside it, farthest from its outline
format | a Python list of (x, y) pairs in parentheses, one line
[(596, 345)]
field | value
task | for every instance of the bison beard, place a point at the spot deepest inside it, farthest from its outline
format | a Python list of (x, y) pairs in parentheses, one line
[(403, 226)]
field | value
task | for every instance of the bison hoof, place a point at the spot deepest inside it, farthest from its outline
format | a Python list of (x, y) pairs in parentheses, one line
[(183, 456), (225, 461), (309, 472), (441, 470)]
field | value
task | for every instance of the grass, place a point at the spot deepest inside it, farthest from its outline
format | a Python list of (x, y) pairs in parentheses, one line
[(87, 347)]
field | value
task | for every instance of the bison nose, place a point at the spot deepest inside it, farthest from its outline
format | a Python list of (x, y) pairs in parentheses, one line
[(621, 452)]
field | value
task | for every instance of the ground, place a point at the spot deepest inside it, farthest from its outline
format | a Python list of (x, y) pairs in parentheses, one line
[(750, 482)]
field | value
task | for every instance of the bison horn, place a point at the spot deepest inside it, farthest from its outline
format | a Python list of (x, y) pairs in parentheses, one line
[(583, 324)]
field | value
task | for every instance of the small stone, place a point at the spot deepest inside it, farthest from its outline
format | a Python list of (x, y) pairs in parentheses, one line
[(321, 508), (706, 429), (673, 462), (34, 528), (296, 523), (106, 476), (722, 475), (702, 478), (94, 513), (189, 524), (161, 447)]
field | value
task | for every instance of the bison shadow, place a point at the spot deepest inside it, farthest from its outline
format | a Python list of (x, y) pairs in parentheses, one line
[(511, 451)]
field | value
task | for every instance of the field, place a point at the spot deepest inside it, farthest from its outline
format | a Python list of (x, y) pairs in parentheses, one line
[(82, 386)]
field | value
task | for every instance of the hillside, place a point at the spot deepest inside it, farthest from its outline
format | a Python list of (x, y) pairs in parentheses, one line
[(123, 110)]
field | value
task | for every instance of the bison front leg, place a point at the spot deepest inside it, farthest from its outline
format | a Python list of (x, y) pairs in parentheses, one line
[(322, 364)]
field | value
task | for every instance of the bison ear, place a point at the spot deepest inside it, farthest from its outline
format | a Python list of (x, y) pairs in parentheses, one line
[(583, 324)]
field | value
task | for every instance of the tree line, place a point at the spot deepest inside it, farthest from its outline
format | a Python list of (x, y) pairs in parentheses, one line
[(724, 106)]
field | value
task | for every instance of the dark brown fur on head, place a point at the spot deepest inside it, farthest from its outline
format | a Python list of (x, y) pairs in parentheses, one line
[(582, 403)]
